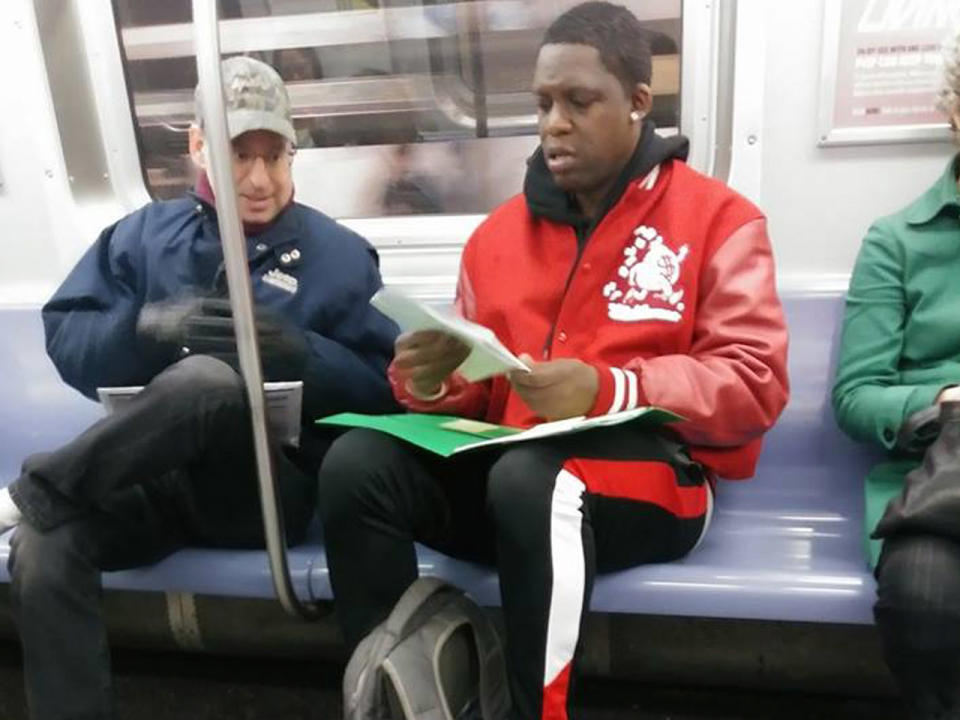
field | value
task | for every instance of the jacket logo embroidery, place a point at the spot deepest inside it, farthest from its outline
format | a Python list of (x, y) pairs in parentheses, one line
[(280, 279), (645, 288)]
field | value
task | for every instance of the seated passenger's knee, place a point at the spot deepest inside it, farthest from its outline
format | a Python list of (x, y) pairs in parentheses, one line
[(520, 485), (920, 573), (918, 596), (202, 374), (356, 464), (41, 561)]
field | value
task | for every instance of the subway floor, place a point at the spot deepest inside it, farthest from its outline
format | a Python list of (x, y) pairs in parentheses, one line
[(174, 686)]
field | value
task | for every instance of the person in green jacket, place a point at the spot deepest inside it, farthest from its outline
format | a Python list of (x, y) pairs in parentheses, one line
[(900, 353)]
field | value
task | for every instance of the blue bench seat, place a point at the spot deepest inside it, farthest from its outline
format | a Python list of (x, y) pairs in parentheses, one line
[(783, 546)]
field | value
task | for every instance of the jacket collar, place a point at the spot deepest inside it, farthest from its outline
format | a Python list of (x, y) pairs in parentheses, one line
[(285, 229), (545, 198), (203, 191), (944, 194)]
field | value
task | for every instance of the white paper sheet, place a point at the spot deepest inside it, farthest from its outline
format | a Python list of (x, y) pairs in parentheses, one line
[(284, 401), (487, 357), (570, 425)]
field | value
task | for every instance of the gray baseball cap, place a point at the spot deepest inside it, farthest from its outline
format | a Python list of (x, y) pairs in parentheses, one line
[(256, 99)]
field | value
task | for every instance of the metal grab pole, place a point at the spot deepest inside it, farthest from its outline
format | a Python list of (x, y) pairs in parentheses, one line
[(217, 139)]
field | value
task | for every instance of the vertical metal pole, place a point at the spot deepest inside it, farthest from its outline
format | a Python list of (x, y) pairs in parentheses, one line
[(217, 139), (478, 74)]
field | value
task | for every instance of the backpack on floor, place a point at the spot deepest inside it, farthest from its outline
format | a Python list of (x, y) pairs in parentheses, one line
[(437, 657)]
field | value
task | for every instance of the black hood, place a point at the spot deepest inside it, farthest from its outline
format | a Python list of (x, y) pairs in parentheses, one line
[(546, 199)]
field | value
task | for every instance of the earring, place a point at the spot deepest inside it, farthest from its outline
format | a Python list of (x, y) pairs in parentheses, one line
[(634, 116)]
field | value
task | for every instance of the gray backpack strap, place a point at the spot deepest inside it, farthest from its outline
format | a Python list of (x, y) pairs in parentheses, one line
[(359, 690), (494, 688), (402, 659), (414, 665), (411, 671), (411, 603)]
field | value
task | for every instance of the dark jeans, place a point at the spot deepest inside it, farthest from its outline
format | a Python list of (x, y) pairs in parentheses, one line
[(547, 514), (174, 467), (918, 616)]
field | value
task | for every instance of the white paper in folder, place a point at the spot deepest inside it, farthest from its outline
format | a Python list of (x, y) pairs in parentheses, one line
[(284, 400), (487, 357)]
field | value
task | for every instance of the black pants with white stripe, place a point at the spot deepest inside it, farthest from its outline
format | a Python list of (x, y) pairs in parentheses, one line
[(918, 616), (547, 514)]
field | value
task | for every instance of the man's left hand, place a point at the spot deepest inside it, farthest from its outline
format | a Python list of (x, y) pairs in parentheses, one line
[(557, 389)]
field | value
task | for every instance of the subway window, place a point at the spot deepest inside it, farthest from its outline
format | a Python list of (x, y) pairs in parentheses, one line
[(400, 107)]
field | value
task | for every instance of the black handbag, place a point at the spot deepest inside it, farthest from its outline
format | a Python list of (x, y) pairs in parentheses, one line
[(930, 501)]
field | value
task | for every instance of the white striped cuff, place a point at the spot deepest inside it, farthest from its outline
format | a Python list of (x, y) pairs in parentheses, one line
[(625, 390)]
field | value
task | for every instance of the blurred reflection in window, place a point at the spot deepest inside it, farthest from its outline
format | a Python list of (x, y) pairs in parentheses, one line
[(397, 104), (298, 65), (409, 191)]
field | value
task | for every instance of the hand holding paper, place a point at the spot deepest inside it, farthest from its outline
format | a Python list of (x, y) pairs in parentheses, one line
[(426, 358), (557, 389), (487, 356)]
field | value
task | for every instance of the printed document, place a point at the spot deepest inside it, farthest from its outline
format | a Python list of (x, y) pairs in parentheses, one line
[(487, 357), (284, 401)]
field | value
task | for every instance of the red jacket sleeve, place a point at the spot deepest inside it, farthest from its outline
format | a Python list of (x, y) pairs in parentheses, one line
[(732, 385), (461, 397)]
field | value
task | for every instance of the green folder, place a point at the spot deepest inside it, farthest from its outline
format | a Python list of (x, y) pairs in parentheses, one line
[(447, 435)]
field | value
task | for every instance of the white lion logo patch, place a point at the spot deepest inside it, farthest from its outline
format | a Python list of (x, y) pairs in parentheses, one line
[(645, 288)]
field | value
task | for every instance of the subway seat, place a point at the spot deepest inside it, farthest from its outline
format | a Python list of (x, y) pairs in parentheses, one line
[(785, 545)]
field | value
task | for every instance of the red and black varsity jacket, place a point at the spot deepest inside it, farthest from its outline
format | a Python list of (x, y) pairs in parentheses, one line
[(672, 298)]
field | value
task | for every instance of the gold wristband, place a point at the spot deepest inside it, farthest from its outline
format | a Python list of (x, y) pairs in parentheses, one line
[(408, 386)]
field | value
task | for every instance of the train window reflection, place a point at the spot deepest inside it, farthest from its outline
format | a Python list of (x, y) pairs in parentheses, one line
[(432, 99)]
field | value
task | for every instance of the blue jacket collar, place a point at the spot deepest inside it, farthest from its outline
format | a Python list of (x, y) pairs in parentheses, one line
[(287, 227)]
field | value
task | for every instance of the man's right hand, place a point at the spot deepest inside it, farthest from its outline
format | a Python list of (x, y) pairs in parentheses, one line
[(183, 326), (204, 326), (160, 326), (426, 358)]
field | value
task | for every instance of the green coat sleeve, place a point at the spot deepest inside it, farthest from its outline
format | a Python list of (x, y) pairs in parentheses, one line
[(869, 400)]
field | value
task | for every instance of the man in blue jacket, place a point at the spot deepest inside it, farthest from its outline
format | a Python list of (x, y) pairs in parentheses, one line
[(146, 306)]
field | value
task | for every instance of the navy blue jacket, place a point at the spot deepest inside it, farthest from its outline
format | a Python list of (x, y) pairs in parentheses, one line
[(306, 267)]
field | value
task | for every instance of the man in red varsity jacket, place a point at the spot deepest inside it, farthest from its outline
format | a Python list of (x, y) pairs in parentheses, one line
[(627, 279)]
